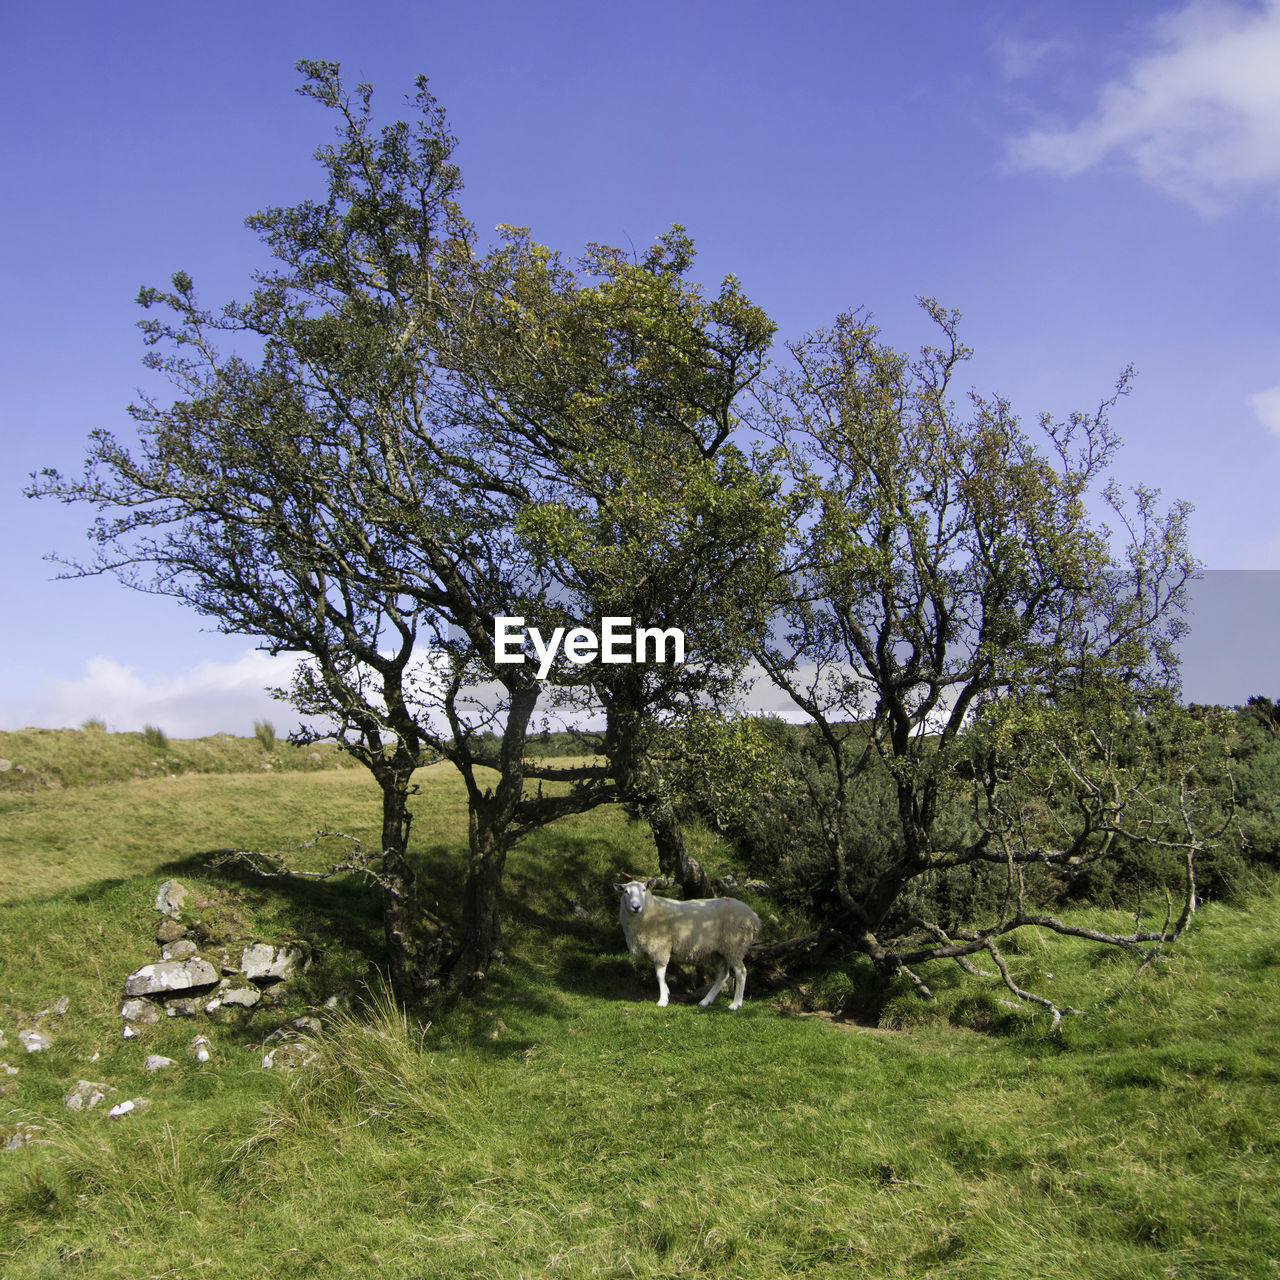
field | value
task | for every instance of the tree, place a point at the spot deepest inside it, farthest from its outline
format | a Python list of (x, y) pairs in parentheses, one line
[(367, 480), (967, 644), (615, 398)]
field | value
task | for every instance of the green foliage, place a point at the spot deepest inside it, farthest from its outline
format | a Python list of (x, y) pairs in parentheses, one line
[(265, 732), (155, 737)]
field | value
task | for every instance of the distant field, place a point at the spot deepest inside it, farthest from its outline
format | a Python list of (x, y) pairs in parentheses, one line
[(562, 1125)]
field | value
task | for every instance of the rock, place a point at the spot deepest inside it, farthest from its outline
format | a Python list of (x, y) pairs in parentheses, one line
[(307, 1024), (140, 1012), (261, 962), (341, 1001), (6, 1069), (5, 766), (1, 1039), (35, 1041), (132, 1107), (170, 898), (170, 931), (179, 949), (200, 1049), (288, 1057), (170, 975), (86, 1095), (59, 1007), (17, 1137), (182, 1007), (156, 1062), (130, 1032), (247, 997)]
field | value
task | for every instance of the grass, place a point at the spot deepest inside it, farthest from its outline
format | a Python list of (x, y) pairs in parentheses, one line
[(562, 1125), (49, 759)]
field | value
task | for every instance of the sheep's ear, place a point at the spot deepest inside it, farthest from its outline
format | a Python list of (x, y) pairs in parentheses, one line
[(618, 888)]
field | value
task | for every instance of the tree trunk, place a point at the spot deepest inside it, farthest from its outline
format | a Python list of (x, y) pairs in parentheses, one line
[(481, 908), (413, 940), (674, 860)]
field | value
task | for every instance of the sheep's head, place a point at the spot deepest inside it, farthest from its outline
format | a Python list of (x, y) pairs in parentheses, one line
[(633, 896)]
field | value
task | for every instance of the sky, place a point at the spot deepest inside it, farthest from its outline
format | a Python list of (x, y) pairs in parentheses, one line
[(1092, 185)]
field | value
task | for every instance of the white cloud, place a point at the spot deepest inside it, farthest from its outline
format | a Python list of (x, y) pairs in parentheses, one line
[(1266, 408), (212, 697), (1198, 117)]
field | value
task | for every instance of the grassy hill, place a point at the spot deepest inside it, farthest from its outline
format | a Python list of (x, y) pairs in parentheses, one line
[(562, 1125)]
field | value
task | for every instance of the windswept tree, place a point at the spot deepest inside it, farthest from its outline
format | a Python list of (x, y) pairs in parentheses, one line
[(972, 649), (619, 404), (359, 464)]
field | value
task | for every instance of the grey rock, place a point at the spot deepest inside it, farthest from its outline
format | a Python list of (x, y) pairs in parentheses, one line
[(157, 1062), (170, 898), (21, 1135), (179, 949), (170, 931), (261, 962), (87, 1094), (35, 1041), (246, 997), (5, 766), (288, 1057), (182, 1007), (1, 1039), (7, 1070), (59, 1007), (132, 1107), (140, 1012), (200, 1049), (170, 975)]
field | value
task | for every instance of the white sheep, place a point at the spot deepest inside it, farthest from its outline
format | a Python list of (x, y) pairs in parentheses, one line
[(661, 930)]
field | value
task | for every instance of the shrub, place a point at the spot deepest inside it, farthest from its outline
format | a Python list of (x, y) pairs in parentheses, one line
[(155, 737), (265, 732)]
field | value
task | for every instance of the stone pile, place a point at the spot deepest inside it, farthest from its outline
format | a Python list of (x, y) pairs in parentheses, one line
[(196, 975), (201, 971)]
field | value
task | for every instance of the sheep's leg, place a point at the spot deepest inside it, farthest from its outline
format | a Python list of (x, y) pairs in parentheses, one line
[(739, 984), (710, 997), (663, 993)]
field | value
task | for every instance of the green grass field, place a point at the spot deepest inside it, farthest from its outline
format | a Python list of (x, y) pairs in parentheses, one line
[(562, 1125)]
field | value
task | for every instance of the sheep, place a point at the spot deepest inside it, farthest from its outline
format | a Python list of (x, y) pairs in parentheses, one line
[(661, 930)]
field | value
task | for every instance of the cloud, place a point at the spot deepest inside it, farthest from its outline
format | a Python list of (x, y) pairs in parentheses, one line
[(1266, 408), (211, 697), (1197, 117)]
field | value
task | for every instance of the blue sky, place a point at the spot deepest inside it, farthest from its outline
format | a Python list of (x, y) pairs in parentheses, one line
[(1092, 185)]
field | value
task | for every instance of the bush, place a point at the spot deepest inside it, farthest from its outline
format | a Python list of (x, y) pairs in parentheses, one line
[(265, 732), (155, 737)]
